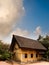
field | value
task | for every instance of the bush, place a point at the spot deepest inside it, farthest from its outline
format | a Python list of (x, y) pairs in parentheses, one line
[(5, 55)]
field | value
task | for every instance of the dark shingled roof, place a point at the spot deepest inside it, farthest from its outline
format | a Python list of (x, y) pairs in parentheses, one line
[(27, 43)]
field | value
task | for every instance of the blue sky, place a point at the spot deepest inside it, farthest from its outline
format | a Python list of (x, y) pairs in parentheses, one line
[(36, 14), (34, 21)]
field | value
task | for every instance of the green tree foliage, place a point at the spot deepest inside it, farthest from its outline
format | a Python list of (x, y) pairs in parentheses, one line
[(4, 46), (5, 54), (45, 42), (40, 37)]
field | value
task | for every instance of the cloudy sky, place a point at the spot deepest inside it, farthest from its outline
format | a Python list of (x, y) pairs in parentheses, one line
[(28, 18)]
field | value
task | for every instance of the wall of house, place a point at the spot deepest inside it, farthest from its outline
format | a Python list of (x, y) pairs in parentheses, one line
[(28, 59), (29, 52), (19, 54)]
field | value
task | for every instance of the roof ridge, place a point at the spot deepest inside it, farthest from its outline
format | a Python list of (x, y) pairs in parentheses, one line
[(24, 37)]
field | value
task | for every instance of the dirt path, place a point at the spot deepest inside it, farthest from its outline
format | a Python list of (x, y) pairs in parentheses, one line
[(14, 63), (8, 63), (4, 63), (40, 63)]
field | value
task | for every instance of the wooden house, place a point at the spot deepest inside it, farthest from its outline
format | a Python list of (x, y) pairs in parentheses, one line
[(26, 50)]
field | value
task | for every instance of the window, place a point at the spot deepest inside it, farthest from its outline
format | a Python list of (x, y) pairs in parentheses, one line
[(25, 55), (36, 55), (31, 55)]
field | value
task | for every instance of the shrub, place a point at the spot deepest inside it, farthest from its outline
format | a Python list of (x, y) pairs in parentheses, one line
[(6, 55)]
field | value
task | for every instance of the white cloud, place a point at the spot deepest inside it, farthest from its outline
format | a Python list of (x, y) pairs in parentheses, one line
[(25, 33), (21, 32), (28, 34), (10, 12), (38, 31)]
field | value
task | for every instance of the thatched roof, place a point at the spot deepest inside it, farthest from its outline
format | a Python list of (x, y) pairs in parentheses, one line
[(26, 43)]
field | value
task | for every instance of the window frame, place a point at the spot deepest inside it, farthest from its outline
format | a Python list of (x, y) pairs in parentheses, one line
[(25, 55), (31, 55), (36, 55)]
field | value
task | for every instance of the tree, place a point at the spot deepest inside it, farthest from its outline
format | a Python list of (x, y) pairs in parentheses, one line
[(45, 42), (40, 38), (5, 54)]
